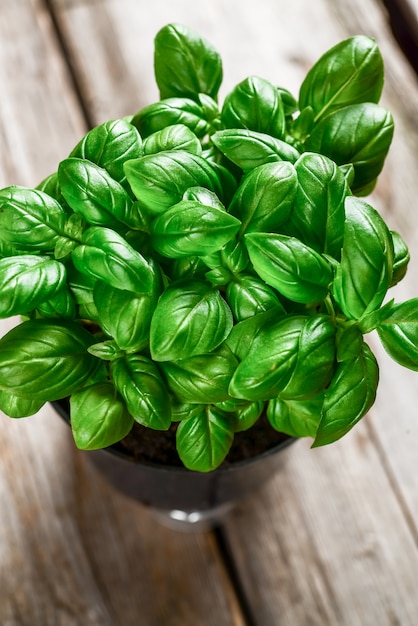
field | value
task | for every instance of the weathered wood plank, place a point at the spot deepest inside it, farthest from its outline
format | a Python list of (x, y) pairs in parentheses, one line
[(39, 117), (74, 552), (329, 543), (71, 551)]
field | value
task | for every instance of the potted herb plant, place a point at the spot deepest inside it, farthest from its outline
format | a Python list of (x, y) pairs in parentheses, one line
[(200, 267)]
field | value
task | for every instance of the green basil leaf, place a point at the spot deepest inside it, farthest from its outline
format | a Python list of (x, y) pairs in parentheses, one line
[(398, 333), (61, 305), (349, 73), (247, 295), (230, 260), (98, 417), (45, 360), (317, 217), (7, 250), (94, 194), (160, 180), (365, 272), (350, 395), (190, 318), (243, 333), (30, 219), (401, 258), (125, 315), (190, 267), (169, 112), (302, 125), (293, 357), (175, 137), (203, 441), (372, 320), (315, 360), (288, 265), (359, 134), (109, 146), (204, 196), (255, 104), (201, 379), (349, 342), (191, 228), (265, 197), (26, 281), (185, 64), (247, 416), (106, 255), (63, 248), (234, 256), (249, 149), (18, 406), (290, 104), (106, 350), (297, 418), (183, 410), (140, 384), (81, 287)]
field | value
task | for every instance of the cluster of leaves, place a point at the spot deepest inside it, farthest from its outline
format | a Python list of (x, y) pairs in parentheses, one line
[(202, 264)]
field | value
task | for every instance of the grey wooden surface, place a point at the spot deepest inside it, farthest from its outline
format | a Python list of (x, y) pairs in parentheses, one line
[(333, 539)]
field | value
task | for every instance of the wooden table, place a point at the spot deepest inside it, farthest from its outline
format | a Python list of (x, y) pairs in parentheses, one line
[(333, 539)]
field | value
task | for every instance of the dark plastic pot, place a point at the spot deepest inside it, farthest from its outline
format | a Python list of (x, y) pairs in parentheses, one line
[(179, 497)]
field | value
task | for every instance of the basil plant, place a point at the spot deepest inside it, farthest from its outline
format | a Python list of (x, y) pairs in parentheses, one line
[(204, 263)]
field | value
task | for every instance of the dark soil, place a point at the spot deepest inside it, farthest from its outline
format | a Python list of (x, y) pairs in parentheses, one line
[(159, 446), (151, 446)]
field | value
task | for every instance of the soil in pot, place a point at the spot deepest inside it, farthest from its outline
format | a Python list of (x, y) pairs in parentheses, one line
[(151, 446)]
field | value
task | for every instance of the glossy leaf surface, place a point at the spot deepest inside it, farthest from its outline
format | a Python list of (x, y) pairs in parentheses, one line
[(276, 361), (365, 272), (360, 134), (94, 194), (255, 104), (18, 406), (398, 333), (191, 228), (203, 441), (350, 72), (30, 219), (26, 281), (175, 137), (106, 255), (348, 398), (190, 318), (98, 417), (140, 384), (249, 149), (401, 258), (45, 360), (297, 418), (317, 216), (125, 315), (171, 112), (109, 145), (288, 265), (185, 63), (202, 379), (160, 180), (248, 295), (265, 197)]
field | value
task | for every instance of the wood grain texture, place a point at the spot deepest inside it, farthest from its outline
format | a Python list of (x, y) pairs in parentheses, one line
[(331, 540)]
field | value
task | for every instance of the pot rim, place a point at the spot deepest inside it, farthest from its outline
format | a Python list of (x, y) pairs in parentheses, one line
[(118, 451)]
